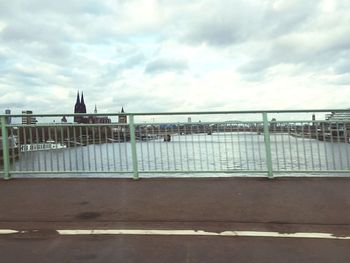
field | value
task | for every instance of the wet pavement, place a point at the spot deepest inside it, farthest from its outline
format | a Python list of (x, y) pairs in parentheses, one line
[(40, 207)]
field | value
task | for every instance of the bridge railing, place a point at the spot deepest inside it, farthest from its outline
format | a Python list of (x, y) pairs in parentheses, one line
[(267, 143)]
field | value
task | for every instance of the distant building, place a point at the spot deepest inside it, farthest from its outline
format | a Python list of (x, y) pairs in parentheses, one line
[(27, 120), (338, 116), (80, 107), (122, 118), (98, 119), (8, 119), (338, 121)]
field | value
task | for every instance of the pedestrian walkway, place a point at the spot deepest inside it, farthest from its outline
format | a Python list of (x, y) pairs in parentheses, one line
[(175, 220)]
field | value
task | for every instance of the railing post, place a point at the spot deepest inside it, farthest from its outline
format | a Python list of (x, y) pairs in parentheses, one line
[(133, 148), (5, 149), (267, 146)]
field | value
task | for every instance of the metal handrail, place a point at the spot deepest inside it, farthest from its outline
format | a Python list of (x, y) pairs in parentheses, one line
[(177, 113), (137, 147)]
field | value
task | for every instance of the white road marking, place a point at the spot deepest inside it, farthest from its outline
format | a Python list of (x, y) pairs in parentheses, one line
[(157, 232), (199, 233), (7, 231)]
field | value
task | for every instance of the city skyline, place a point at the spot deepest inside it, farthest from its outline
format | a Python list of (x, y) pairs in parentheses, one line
[(156, 56)]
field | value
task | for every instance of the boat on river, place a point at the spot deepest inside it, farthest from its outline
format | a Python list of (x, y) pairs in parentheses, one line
[(48, 145)]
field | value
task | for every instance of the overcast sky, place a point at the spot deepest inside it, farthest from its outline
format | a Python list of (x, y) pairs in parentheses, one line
[(175, 55)]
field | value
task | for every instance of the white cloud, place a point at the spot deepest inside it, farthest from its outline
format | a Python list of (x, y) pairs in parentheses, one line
[(174, 55)]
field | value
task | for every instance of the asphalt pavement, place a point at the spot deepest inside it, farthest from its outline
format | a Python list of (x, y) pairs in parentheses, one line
[(299, 211)]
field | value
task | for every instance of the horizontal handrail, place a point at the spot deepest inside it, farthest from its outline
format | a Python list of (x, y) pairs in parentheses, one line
[(176, 113), (222, 145)]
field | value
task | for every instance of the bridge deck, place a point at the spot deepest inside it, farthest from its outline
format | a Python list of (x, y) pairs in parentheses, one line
[(40, 207)]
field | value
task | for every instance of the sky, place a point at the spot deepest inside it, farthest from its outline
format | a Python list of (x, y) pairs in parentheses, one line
[(175, 55)]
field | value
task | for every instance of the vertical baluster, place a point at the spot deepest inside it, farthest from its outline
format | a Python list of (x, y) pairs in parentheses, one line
[(180, 146), (206, 145), (33, 152), (267, 145), (273, 127), (219, 144), (283, 145), (253, 145), (133, 147), (259, 146), (81, 139), (173, 146), (212, 147), (290, 146), (304, 148), (63, 145), (325, 146), (225, 146), (332, 146), (69, 145), (75, 148), (5, 148), (37, 143), (346, 138), (246, 146), (239, 146), (94, 146), (43, 140), (167, 147), (311, 149), (100, 147), (155, 142), (125, 146), (318, 145), (113, 148), (56, 145), (107, 150)]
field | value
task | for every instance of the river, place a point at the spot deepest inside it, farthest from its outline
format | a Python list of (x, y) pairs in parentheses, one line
[(220, 152)]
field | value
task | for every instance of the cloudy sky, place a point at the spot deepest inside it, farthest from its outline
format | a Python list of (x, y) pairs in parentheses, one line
[(175, 55)]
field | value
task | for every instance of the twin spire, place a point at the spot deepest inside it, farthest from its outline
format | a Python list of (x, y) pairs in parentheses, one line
[(81, 108), (80, 104)]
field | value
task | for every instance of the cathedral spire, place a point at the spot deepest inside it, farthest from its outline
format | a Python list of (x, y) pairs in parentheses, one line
[(82, 104), (77, 107), (78, 99), (77, 104)]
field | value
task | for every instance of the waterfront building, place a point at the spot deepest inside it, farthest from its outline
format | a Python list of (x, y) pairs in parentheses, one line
[(27, 120), (64, 119), (338, 116), (99, 119), (8, 119), (122, 118), (337, 124)]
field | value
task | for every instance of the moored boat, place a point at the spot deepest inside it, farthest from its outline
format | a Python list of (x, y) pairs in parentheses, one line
[(48, 145)]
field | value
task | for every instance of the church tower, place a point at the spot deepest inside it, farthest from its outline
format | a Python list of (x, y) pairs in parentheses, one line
[(122, 118), (77, 108), (82, 104)]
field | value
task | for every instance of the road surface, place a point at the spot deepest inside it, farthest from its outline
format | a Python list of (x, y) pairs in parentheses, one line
[(175, 220)]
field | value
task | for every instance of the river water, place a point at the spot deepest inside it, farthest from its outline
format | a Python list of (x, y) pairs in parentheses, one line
[(241, 153)]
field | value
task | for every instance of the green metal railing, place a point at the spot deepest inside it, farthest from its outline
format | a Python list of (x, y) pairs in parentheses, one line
[(214, 143)]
